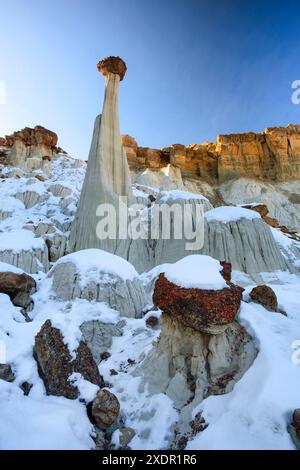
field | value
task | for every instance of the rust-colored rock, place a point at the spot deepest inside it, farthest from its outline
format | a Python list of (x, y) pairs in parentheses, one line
[(226, 271), (265, 296), (208, 311), (113, 65), (260, 208), (18, 287), (55, 364), (105, 409)]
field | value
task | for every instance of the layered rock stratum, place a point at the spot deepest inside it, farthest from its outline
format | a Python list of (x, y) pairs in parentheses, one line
[(271, 155)]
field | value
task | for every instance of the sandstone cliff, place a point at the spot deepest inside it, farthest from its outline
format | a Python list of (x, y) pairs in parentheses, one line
[(273, 154), (29, 148)]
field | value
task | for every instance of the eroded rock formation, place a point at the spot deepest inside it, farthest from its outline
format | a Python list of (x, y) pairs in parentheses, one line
[(30, 149), (202, 349), (107, 175)]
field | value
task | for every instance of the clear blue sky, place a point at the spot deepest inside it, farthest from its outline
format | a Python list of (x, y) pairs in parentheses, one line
[(195, 68)]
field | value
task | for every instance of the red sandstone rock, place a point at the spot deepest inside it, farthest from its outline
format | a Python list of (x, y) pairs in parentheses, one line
[(113, 65), (202, 310)]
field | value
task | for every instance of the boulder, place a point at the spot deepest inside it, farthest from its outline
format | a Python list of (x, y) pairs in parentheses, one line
[(126, 436), (105, 409), (265, 296), (18, 287), (56, 364), (6, 373)]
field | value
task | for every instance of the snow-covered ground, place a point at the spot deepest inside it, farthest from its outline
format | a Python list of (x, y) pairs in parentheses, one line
[(255, 415)]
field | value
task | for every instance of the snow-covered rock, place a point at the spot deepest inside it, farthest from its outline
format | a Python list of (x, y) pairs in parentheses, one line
[(21, 249), (247, 243), (98, 275)]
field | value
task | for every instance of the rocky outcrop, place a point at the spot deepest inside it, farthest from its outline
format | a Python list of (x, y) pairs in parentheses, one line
[(56, 365), (31, 149), (273, 154), (19, 287)]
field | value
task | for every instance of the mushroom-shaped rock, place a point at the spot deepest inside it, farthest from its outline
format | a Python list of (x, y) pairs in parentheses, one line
[(194, 291), (114, 65), (98, 275), (202, 349), (105, 409)]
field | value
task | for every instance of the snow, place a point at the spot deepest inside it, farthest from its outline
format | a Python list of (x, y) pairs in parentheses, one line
[(196, 271), (179, 194), (10, 204), (9, 268), (227, 214), (48, 423), (92, 261), (20, 240)]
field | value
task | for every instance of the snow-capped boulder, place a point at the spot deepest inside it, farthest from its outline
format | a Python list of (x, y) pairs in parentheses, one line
[(98, 275), (21, 249), (194, 292)]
